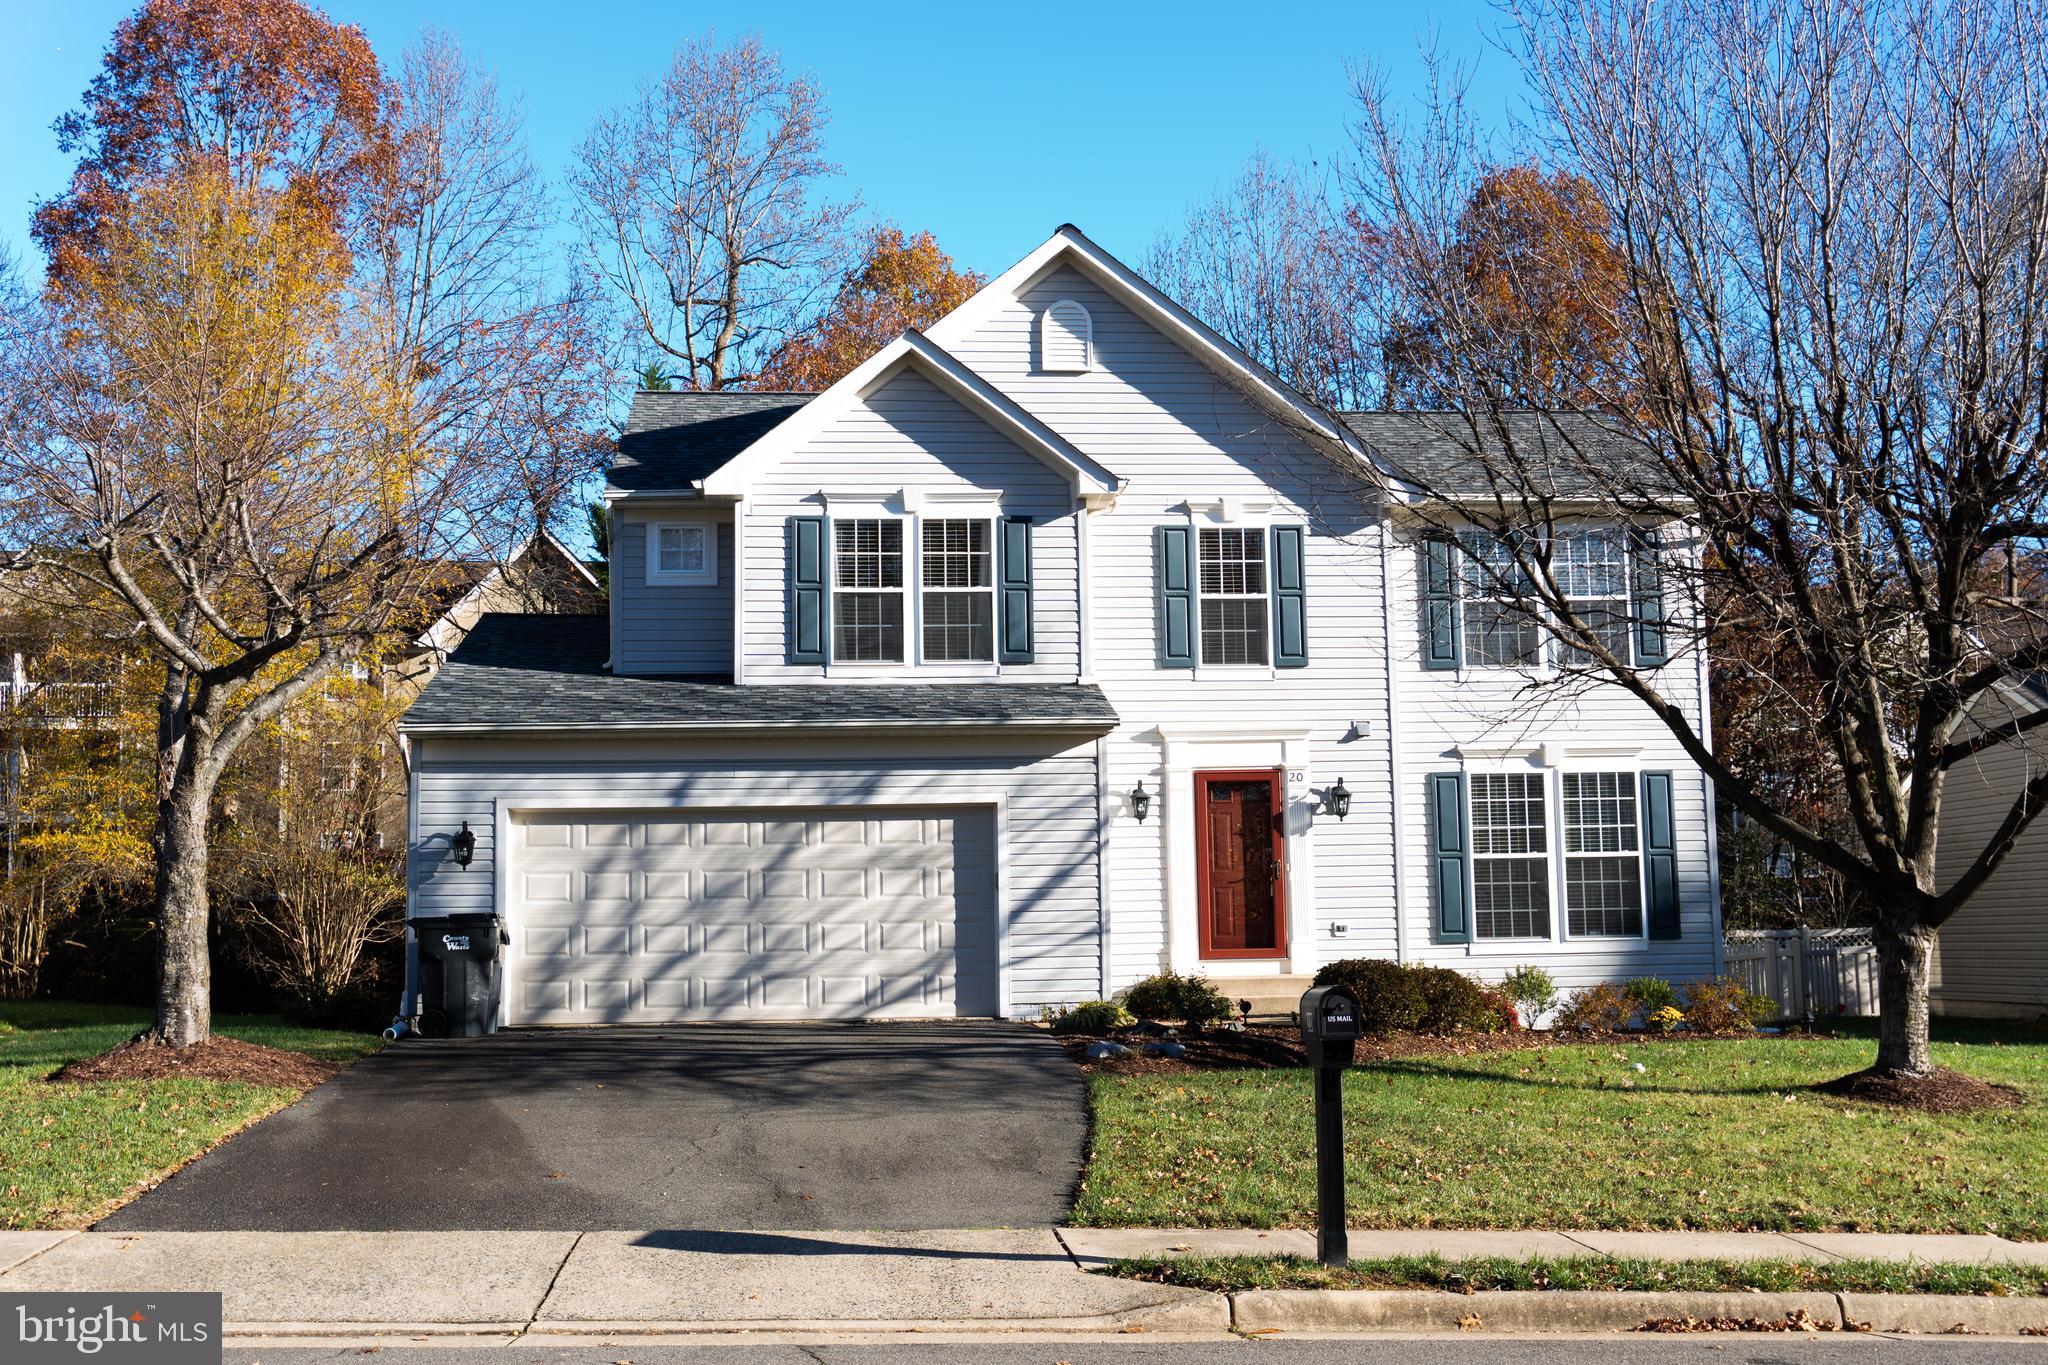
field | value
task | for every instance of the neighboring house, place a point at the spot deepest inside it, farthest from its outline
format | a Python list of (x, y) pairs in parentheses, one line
[(1023, 663), (1992, 958)]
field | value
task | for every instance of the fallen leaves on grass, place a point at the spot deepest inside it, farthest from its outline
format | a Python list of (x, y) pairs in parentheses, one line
[(216, 1059)]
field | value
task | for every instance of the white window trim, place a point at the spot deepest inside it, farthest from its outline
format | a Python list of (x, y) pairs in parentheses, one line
[(987, 517), (1549, 649), (1521, 943), (1045, 364), (906, 590), (1234, 513), (1552, 759), (705, 577)]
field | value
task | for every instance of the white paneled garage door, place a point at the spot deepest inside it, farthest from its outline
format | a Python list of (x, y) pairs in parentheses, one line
[(651, 917)]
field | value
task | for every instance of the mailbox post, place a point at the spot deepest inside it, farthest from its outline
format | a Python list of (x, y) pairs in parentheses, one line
[(1329, 1033)]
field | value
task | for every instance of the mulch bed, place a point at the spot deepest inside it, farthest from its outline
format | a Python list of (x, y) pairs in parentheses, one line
[(1943, 1092), (216, 1059), (1263, 1046)]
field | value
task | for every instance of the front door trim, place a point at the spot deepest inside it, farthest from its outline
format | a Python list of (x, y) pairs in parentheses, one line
[(1276, 788)]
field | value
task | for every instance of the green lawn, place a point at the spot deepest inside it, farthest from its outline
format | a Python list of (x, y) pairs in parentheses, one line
[(1223, 1274), (1719, 1135), (69, 1153)]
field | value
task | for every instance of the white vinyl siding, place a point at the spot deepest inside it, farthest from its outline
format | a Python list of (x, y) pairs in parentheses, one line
[(667, 627), (1993, 957)]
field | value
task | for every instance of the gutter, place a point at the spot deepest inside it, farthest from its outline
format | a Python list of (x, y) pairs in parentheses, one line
[(1099, 726)]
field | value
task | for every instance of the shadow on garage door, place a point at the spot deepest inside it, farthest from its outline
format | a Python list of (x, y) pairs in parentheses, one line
[(747, 1126)]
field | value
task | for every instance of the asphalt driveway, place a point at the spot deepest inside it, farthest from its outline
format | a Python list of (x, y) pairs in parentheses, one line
[(843, 1126)]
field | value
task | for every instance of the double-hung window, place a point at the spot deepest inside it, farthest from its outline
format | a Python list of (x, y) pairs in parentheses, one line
[(867, 590), (1234, 603), (1592, 569), (1495, 588), (958, 580), (1603, 861), (1510, 856)]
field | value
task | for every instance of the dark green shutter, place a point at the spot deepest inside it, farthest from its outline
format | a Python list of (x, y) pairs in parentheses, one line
[(1660, 855), (1173, 569), (1647, 599), (1014, 590), (1450, 850), (1441, 640), (1290, 598), (807, 600)]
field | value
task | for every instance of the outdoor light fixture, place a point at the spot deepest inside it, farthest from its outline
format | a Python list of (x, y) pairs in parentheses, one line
[(1141, 801), (1337, 800), (463, 846)]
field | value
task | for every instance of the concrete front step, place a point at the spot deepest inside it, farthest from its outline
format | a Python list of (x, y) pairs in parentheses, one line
[(1271, 996)]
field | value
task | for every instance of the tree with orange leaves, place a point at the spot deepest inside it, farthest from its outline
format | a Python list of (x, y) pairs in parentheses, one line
[(902, 282), (262, 394)]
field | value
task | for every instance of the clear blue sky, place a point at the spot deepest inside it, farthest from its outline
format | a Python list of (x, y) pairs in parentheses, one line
[(971, 120)]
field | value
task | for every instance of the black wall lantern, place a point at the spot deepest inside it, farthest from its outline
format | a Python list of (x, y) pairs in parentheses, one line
[(1337, 800), (463, 846), (1141, 801)]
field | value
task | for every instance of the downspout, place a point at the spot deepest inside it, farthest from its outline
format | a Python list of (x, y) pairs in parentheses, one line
[(1396, 775)]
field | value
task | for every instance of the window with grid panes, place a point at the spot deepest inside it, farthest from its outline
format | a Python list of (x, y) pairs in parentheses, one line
[(1603, 861), (1232, 586), (1592, 571), (958, 575), (1499, 631), (867, 590), (1510, 856)]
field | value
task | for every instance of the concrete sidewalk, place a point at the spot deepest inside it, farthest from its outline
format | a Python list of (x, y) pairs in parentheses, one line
[(531, 1285)]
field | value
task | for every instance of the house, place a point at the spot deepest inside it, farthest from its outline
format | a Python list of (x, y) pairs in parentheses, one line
[(1992, 955), (1052, 648)]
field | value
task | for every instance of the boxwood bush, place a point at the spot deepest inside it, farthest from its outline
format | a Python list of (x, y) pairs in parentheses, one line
[(1393, 998), (1171, 996)]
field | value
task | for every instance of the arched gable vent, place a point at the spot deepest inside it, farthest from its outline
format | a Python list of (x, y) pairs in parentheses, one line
[(1066, 339)]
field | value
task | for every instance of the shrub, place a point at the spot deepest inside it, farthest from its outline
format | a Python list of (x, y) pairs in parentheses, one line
[(1667, 1019), (1388, 999), (1091, 1016), (1650, 993), (1725, 1006), (1452, 1002), (1604, 1008), (1500, 1015), (1169, 995), (1531, 987)]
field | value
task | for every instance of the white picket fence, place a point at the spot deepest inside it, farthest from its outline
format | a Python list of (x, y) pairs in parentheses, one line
[(1809, 972)]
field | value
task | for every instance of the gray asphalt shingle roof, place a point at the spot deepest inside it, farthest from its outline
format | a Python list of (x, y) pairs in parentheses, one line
[(1568, 454), (674, 439), (518, 672)]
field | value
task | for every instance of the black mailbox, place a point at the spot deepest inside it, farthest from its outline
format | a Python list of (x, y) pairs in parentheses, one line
[(1330, 1033), (1329, 1025)]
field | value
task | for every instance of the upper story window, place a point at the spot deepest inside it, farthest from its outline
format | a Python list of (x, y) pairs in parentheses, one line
[(1066, 339), (1592, 568), (1499, 632), (867, 596), (958, 577), (1231, 578), (681, 552)]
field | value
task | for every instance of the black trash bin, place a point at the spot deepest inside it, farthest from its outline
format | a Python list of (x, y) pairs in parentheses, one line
[(459, 974)]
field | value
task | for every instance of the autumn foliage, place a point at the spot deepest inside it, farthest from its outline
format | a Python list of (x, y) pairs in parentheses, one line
[(900, 283)]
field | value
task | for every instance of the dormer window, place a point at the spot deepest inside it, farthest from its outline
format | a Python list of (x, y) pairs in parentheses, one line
[(1066, 339), (680, 552)]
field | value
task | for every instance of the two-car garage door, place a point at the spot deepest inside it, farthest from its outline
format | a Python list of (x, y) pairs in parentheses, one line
[(658, 916)]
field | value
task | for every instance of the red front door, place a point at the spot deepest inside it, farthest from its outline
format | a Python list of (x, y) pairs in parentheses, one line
[(1240, 864)]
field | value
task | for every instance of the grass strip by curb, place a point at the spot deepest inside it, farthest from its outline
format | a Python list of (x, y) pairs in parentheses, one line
[(1224, 1274)]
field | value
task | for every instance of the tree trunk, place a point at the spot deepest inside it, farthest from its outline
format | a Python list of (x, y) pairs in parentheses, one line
[(1905, 959), (184, 988)]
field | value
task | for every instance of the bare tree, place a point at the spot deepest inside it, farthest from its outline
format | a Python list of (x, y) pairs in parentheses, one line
[(1269, 263), (1833, 374), (699, 208)]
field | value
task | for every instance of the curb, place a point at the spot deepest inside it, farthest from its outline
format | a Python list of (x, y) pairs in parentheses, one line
[(1592, 1310)]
